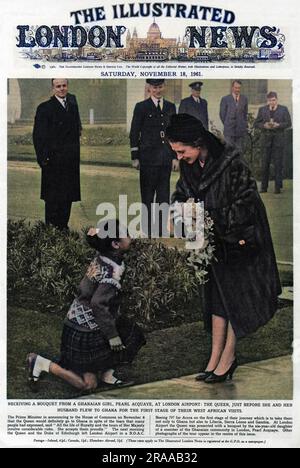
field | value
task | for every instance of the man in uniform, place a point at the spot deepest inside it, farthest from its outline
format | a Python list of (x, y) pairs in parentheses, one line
[(234, 116), (56, 138), (195, 105), (150, 151), (272, 119)]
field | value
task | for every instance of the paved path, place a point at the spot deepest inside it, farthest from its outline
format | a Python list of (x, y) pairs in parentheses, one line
[(264, 380)]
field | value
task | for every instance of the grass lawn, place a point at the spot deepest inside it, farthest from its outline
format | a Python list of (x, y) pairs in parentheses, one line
[(108, 154), (98, 184), (101, 184), (169, 353), (101, 155), (184, 349)]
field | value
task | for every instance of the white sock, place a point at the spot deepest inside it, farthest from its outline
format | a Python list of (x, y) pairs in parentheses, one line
[(108, 377), (41, 365)]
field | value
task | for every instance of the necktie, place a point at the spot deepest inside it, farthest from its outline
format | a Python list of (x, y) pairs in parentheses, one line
[(65, 103), (158, 105)]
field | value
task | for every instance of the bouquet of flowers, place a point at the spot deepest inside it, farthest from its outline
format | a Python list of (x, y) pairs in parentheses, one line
[(197, 226)]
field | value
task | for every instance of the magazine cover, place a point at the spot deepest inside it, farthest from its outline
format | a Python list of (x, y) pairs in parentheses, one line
[(149, 225)]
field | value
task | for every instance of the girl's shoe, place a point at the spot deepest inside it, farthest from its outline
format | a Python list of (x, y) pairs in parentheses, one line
[(117, 384), (34, 371), (119, 380), (213, 378)]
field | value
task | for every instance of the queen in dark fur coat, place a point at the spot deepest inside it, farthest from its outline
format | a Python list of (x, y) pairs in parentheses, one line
[(243, 288)]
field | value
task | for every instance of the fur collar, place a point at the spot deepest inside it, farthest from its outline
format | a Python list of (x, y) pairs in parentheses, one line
[(212, 170)]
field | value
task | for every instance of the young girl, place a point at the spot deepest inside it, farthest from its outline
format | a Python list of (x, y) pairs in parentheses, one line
[(96, 338)]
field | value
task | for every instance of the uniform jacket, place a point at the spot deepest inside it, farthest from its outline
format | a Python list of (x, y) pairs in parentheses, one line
[(147, 135), (247, 277), (234, 116), (281, 116), (56, 138), (197, 110)]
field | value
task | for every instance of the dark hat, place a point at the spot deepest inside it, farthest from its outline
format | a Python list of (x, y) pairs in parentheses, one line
[(197, 85), (155, 82), (185, 128)]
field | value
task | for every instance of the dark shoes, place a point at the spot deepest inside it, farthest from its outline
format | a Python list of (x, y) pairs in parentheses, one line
[(213, 378), (203, 376), (210, 377)]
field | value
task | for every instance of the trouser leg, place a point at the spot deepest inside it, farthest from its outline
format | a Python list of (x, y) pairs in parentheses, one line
[(147, 185), (278, 163), (64, 214), (163, 199), (241, 144), (50, 212), (58, 213), (163, 185), (266, 161), (231, 140)]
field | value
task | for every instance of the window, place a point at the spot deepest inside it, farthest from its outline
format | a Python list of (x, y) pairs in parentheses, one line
[(255, 90)]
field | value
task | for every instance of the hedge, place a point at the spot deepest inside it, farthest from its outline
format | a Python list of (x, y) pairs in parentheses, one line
[(45, 266)]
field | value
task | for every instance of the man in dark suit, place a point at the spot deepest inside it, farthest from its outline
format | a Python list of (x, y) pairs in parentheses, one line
[(234, 116), (195, 105), (56, 138), (273, 119), (150, 150)]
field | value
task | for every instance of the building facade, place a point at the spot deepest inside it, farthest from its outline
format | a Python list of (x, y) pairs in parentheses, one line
[(154, 47), (112, 101)]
